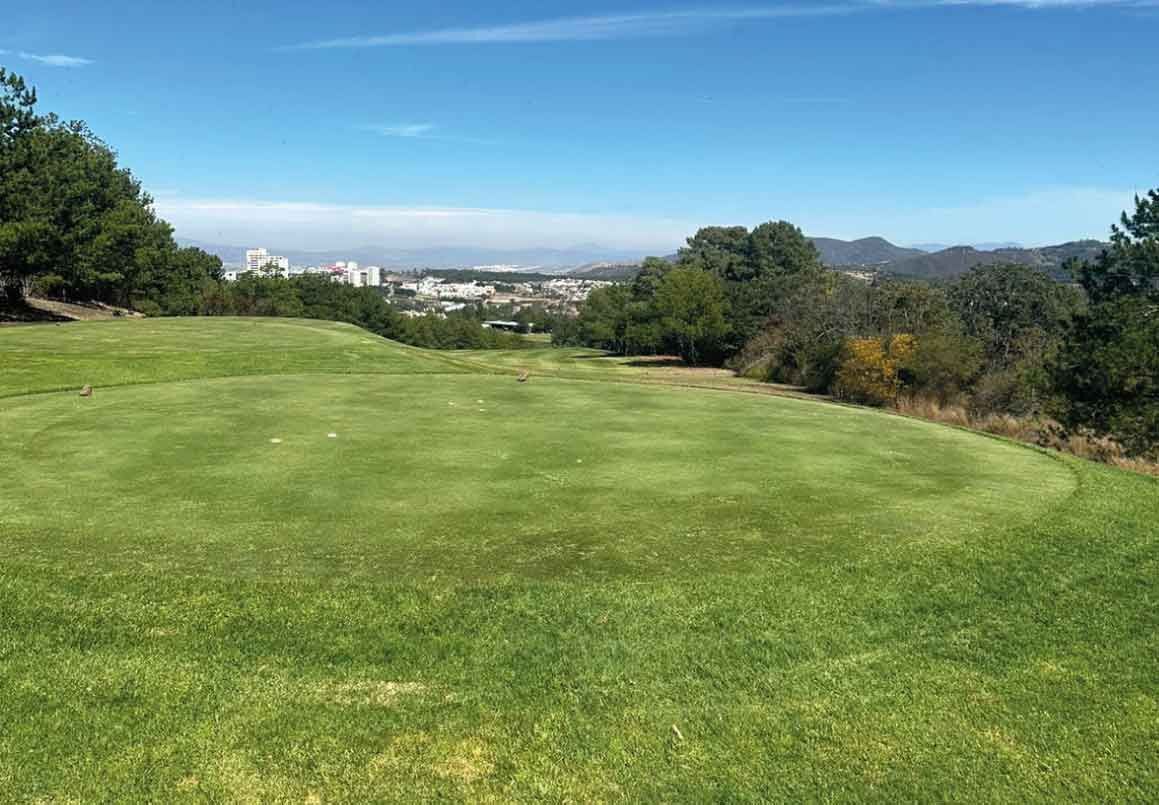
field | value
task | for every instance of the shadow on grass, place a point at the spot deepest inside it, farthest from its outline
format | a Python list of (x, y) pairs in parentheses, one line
[(645, 361), (21, 313), (659, 363)]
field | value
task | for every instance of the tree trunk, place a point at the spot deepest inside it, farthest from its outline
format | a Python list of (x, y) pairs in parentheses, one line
[(11, 290)]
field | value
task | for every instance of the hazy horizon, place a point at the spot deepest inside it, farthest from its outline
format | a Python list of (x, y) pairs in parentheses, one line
[(637, 123)]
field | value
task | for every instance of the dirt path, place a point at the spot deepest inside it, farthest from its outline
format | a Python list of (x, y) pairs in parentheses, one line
[(35, 310)]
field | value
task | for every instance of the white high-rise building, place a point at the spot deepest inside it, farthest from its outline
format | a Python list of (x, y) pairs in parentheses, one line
[(369, 277), (261, 261)]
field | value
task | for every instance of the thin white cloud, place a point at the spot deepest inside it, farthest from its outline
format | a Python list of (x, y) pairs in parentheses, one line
[(50, 59), (1039, 217), (422, 131), (590, 28), (1031, 4), (673, 23), (309, 225), (404, 130)]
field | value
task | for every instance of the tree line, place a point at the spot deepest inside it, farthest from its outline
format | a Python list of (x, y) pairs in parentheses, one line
[(1002, 338), (75, 225), (313, 296)]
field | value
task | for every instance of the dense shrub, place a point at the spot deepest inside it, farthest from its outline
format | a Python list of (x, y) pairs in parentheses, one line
[(870, 368), (1109, 378), (944, 366), (1002, 340), (1109, 371), (707, 304)]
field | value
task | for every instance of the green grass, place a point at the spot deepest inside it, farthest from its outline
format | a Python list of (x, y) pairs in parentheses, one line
[(584, 591), (112, 353), (590, 364)]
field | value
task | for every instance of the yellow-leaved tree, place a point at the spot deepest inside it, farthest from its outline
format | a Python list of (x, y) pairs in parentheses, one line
[(870, 370)]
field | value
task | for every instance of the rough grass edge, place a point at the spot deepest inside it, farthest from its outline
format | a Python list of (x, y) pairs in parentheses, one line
[(1039, 431)]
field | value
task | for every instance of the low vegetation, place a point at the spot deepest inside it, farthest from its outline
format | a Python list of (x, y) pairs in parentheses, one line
[(292, 561), (1039, 431), (999, 341)]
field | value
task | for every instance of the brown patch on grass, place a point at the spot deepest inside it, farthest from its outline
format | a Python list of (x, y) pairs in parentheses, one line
[(1052, 669), (378, 693), (237, 775), (188, 783), (468, 763), (1005, 744), (417, 755)]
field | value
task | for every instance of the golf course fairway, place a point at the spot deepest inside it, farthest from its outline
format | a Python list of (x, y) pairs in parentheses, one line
[(281, 560)]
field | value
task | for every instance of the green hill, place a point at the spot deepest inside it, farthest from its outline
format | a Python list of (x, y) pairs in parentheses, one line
[(115, 353), (957, 260), (865, 251), (282, 560)]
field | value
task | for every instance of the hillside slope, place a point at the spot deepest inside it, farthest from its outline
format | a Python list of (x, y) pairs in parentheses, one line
[(121, 352), (866, 251), (955, 261), (880, 255)]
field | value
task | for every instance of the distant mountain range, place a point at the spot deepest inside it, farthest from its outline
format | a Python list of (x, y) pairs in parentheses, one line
[(884, 257), (606, 271), (545, 260), (863, 252), (982, 247), (595, 262)]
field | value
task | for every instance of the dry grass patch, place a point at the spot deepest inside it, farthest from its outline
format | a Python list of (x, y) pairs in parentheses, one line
[(188, 783), (469, 762), (463, 762), (376, 693), (1039, 431)]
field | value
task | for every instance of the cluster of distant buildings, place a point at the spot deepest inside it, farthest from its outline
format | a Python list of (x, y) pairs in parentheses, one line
[(438, 288), (428, 293), (261, 263)]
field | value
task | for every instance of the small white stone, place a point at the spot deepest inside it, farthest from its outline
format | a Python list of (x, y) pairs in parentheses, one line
[(275, 441), (331, 435)]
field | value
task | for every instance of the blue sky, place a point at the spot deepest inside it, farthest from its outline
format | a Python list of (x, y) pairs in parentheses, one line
[(626, 123)]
